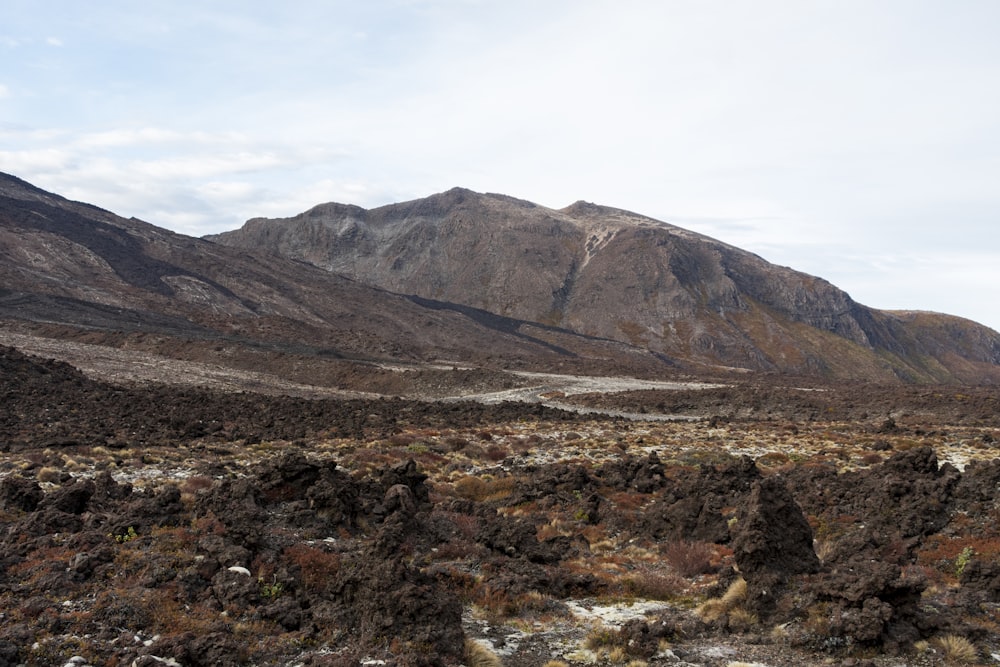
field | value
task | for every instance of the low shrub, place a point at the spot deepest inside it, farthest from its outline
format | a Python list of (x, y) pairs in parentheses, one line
[(316, 567), (689, 559), (655, 585)]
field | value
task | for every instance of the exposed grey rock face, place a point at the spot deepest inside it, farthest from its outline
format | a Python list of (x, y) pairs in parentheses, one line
[(610, 273)]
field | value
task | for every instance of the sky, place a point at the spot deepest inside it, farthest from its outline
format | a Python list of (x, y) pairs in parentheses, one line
[(855, 140)]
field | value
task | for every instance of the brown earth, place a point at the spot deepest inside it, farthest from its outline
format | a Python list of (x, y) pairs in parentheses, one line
[(144, 524)]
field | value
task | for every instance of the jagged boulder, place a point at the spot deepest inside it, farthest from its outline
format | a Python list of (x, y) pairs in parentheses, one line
[(772, 541)]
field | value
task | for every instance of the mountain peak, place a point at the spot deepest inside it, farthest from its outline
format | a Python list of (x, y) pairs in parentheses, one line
[(581, 208), (602, 285), (610, 273)]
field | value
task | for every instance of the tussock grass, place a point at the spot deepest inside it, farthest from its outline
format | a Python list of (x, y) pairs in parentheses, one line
[(717, 608), (599, 637), (735, 594), (477, 655), (957, 650), (618, 655)]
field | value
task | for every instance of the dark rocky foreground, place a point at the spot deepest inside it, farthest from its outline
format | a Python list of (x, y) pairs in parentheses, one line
[(150, 526)]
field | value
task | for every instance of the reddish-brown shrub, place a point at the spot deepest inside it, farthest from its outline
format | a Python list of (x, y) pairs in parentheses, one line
[(402, 439), (496, 453), (689, 559), (494, 601), (475, 488), (653, 585), (316, 567), (196, 483), (456, 443), (457, 549), (871, 458)]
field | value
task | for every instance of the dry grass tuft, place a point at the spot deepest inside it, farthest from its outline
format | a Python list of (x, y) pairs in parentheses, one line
[(477, 655), (711, 610), (599, 637), (741, 620), (617, 655), (492, 603), (957, 650), (735, 594), (317, 567), (717, 608), (49, 474), (655, 586)]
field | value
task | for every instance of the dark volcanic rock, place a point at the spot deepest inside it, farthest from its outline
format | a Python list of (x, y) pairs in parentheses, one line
[(384, 598), (20, 493), (517, 538), (772, 541), (771, 534), (644, 475), (909, 496), (692, 507)]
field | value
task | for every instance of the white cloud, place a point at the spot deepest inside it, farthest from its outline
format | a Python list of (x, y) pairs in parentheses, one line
[(31, 161), (127, 137), (228, 191), (210, 165)]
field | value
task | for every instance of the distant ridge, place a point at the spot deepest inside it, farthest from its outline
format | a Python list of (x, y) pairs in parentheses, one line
[(611, 273), (72, 269)]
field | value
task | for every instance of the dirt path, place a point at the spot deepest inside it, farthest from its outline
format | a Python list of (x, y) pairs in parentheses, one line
[(550, 387)]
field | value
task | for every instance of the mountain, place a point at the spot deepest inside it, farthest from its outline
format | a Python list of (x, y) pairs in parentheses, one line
[(610, 273), (73, 270)]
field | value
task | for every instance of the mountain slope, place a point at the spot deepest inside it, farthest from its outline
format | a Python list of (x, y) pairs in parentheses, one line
[(610, 273), (69, 264)]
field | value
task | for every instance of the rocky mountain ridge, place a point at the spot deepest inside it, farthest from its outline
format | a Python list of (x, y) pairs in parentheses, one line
[(71, 267), (610, 273)]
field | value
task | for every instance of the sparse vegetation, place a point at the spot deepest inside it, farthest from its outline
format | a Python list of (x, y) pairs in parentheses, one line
[(127, 536), (161, 544)]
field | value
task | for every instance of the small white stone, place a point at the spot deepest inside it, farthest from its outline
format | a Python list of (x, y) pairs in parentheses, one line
[(240, 570)]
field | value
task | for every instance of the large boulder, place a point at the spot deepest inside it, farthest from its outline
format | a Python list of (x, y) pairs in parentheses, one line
[(772, 541)]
